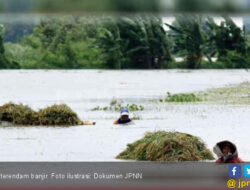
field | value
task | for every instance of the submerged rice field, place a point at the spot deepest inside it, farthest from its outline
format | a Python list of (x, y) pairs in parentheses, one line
[(221, 116)]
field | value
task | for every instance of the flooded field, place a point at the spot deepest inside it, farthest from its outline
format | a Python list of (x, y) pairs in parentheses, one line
[(84, 90)]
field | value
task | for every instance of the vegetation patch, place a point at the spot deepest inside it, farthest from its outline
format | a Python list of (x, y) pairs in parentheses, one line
[(184, 97), (234, 94), (118, 107), (124, 42), (17, 114), (56, 115), (167, 146), (231, 94)]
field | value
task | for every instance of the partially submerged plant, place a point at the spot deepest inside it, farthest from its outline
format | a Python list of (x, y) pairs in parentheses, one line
[(183, 97), (131, 107), (134, 107), (56, 115), (17, 114), (231, 94), (118, 107), (167, 146), (98, 108)]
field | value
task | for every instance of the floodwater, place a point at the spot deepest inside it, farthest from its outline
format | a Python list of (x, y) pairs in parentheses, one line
[(83, 90)]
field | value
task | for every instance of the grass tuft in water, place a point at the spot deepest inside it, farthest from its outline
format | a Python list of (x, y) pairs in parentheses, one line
[(56, 115), (184, 97), (167, 146), (17, 114), (118, 107)]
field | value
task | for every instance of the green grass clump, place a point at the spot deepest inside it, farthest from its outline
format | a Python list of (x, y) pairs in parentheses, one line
[(98, 108), (167, 146), (184, 97), (131, 107), (118, 107), (56, 115), (17, 114)]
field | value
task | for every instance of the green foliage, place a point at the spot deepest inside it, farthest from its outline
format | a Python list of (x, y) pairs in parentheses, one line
[(196, 38), (227, 36), (87, 54), (46, 31), (98, 108), (63, 57), (112, 45), (133, 107), (59, 43), (31, 41), (167, 146), (185, 97), (139, 42), (56, 115), (17, 114), (149, 45), (189, 39), (235, 60), (4, 63), (118, 107), (21, 54), (135, 42), (212, 65)]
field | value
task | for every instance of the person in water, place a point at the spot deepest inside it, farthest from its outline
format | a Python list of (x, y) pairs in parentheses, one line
[(124, 118), (226, 152)]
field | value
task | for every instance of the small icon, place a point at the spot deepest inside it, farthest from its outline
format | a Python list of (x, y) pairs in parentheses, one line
[(247, 170), (234, 170), (231, 183)]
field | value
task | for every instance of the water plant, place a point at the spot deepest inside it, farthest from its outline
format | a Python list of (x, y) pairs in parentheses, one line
[(118, 107), (183, 97)]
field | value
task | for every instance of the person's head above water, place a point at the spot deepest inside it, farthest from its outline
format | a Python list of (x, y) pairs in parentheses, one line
[(124, 114), (226, 149), (124, 117), (226, 152)]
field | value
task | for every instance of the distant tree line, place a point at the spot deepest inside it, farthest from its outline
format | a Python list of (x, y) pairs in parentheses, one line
[(126, 42)]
